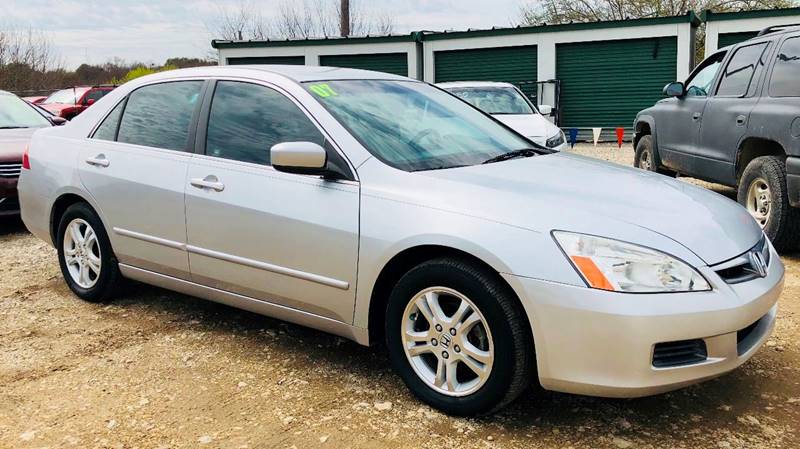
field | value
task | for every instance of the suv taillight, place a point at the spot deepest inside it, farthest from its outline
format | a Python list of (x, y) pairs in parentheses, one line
[(26, 162)]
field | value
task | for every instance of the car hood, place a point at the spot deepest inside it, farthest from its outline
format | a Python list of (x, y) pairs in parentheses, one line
[(529, 125), (575, 193), (13, 143)]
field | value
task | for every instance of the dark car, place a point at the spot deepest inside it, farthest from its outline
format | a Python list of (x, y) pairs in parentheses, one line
[(736, 121), (68, 103), (18, 121)]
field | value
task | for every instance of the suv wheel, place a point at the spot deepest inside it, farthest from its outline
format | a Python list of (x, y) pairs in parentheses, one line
[(87, 261), (645, 157), (458, 338), (762, 190)]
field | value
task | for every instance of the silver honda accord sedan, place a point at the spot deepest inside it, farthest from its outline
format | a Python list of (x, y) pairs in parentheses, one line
[(383, 209)]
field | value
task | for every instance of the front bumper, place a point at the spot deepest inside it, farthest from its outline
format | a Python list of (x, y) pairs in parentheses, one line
[(602, 343)]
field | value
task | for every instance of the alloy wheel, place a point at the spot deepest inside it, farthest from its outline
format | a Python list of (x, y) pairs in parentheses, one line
[(447, 341), (82, 253)]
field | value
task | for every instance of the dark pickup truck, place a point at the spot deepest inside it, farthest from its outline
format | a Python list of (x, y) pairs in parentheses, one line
[(736, 121)]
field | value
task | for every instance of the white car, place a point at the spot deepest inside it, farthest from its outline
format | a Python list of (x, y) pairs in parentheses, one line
[(381, 208), (509, 105)]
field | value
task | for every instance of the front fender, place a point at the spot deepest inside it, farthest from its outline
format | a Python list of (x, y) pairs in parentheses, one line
[(639, 127)]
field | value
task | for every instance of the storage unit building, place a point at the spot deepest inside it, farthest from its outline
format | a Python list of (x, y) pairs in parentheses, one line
[(728, 28), (601, 73)]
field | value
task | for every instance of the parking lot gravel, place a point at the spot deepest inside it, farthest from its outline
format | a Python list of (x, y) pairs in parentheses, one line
[(156, 369)]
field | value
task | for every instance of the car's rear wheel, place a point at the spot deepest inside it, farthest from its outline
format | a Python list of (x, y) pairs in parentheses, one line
[(762, 191), (87, 261), (646, 158), (458, 337)]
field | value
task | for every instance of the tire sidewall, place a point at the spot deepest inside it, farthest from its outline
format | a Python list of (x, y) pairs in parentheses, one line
[(108, 263), (779, 205), (645, 145), (439, 275)]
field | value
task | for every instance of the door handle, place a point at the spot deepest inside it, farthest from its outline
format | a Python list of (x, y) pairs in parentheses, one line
[(209, 182), (98, 161), (741, 120), (696, 116)]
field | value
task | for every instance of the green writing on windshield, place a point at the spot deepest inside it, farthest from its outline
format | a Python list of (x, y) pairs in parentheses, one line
[(323, 90)]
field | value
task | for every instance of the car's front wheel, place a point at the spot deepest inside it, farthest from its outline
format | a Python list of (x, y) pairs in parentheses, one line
[(645, 157), (85, 255), (458, 337), (762, 191)]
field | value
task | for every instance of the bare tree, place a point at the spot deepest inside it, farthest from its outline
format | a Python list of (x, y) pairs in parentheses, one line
[(26, 57), (564, 11), (297, 19)]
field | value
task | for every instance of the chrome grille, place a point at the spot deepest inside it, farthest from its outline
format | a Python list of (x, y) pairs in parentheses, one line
[(10, 169), (745, 267)]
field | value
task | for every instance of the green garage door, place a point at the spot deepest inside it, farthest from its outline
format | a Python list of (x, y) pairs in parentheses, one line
[(395, 63), (516, 65), (285, 60), (726, 39), (604, 84)]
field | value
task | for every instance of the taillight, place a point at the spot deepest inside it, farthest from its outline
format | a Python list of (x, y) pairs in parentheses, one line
[(26, 162)]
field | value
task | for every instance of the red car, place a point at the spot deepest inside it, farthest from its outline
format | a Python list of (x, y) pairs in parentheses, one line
[(18, 121), (68, 103)]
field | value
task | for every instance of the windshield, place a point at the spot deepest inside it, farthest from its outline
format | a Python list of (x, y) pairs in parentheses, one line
[(16, 113), (65, 96), (494, 100), (413, 126)]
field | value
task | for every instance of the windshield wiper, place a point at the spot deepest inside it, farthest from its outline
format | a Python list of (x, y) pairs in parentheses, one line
[(524, 152), (439, 167), (12, 127)]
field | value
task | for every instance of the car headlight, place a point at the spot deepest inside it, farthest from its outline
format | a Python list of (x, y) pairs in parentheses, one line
[(556, 140), (613, 265)]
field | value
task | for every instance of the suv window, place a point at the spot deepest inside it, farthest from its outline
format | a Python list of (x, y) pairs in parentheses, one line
[(95, 94), (159, 115), (786, 73), (744, 67), (108, 129), (700, 84), (246, 120)]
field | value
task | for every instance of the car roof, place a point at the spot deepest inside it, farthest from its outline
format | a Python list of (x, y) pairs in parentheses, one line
[(472, 84), (297, 73)]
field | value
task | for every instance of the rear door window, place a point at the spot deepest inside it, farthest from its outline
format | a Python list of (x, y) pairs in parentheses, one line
[(159, 115), (741, 74), (785, 80)]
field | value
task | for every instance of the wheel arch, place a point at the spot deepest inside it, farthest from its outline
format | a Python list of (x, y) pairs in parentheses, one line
[(60, 205), (407, 259), (753, 147), (645, 125)]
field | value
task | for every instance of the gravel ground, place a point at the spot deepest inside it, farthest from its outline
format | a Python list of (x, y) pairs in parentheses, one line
[(156, 369)]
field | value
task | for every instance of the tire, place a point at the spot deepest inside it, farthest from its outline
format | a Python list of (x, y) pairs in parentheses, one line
[(502, 320), (765, 178), (102, 271), (646, 158)]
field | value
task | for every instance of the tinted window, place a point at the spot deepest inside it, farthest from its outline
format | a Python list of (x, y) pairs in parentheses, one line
[(159, 115), (742, 69), (785, 80), (700, 84), (108, 129), (95, 94), (246, 120)]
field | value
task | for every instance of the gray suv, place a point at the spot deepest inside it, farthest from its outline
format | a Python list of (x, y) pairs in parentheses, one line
[(736, 121)]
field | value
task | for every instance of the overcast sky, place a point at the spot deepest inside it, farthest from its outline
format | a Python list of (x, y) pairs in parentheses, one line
[(151, 31)]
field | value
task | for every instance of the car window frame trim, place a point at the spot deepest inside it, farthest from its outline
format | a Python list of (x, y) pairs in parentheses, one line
[(205, 114)]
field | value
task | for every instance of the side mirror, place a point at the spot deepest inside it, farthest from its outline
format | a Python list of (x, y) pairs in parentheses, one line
[(58, 121), (302, 158), (545, 109), (90, 102), (676, 89)]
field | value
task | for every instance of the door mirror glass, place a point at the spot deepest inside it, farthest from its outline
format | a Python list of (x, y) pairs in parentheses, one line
[(545, 109), (304, 158), (675, 89), (90, 102)]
